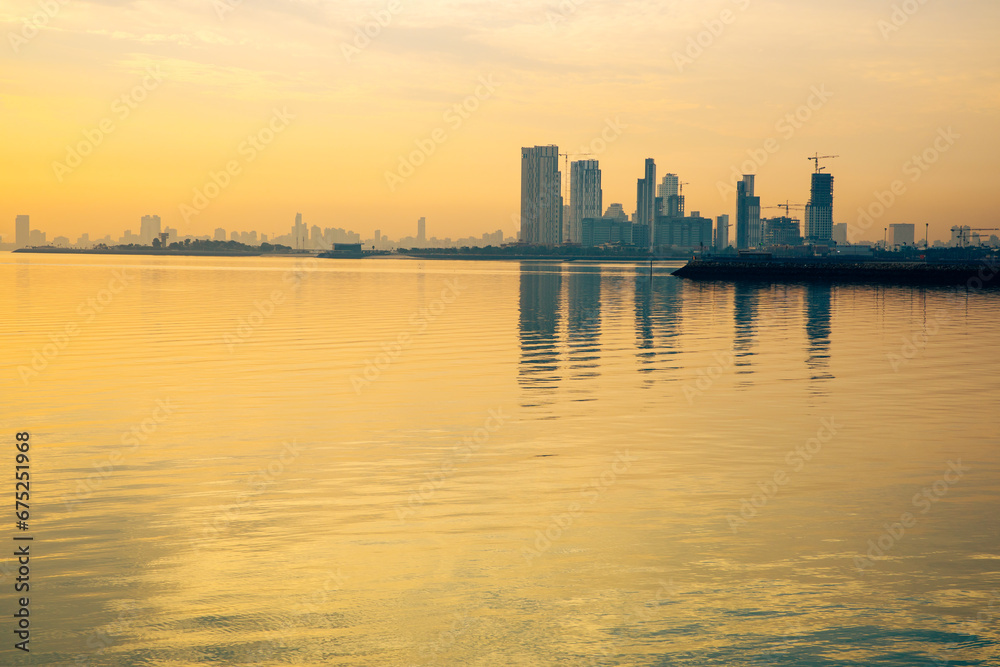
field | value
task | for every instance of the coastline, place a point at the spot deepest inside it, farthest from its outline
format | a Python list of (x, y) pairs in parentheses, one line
[(151, 251)]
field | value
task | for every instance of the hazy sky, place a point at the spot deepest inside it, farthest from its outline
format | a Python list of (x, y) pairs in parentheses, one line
[(201, 76)]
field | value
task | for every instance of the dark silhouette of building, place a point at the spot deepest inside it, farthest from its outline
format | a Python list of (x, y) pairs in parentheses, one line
[(819, 210), (645, 205), (748, 232)]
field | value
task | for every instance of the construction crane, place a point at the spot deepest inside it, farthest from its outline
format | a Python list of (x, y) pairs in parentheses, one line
[(787, 206), (680, 187), (816, 158), (566, 157), (964, 236)]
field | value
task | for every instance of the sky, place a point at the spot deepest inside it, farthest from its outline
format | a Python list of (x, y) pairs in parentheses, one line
[(368, 115)]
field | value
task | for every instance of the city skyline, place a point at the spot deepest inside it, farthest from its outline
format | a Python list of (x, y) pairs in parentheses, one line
[(300, 236), (219, 111), (560, 220)]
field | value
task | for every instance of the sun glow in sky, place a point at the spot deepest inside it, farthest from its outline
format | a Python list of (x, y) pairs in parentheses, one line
[(238, 114)]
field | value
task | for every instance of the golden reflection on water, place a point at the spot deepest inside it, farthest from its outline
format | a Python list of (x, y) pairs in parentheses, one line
[(397, 462)]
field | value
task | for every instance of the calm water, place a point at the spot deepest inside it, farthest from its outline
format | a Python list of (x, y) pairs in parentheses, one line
[(398, 462)]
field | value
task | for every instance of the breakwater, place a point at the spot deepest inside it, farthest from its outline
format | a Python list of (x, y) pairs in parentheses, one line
[(978, 274)]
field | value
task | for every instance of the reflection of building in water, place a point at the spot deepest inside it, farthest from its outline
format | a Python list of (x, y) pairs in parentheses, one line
[(745, 314), (584, 319), (818, 298), (657, 315), (541, 288)]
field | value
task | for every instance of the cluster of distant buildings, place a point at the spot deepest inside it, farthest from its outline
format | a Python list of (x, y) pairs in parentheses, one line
[(299, 237), (660, 219)]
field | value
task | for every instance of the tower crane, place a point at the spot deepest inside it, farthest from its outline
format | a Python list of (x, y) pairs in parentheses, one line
[(787, 206), (816, 158), (963, 233), (566, 157)]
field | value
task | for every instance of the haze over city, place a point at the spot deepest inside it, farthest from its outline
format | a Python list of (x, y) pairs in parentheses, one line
[(425, 114)]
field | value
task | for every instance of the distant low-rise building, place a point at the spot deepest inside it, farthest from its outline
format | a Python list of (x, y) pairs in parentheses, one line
[(901, 234), (840, 233), (599, 231), (782, 231), (692, 231)]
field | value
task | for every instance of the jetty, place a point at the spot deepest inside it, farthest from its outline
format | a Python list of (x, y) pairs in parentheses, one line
[(976, 274)]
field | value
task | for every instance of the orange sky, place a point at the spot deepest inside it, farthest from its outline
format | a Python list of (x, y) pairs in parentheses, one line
[(544, 72)]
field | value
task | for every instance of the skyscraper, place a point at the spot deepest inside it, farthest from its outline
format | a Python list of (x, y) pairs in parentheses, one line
[(585, 196), (149, 229), (422, 230), (748, 232), (722, 232), (541, 196), (670, 185), (819, 210), (22, 231), (645, 205), (300, 233)]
